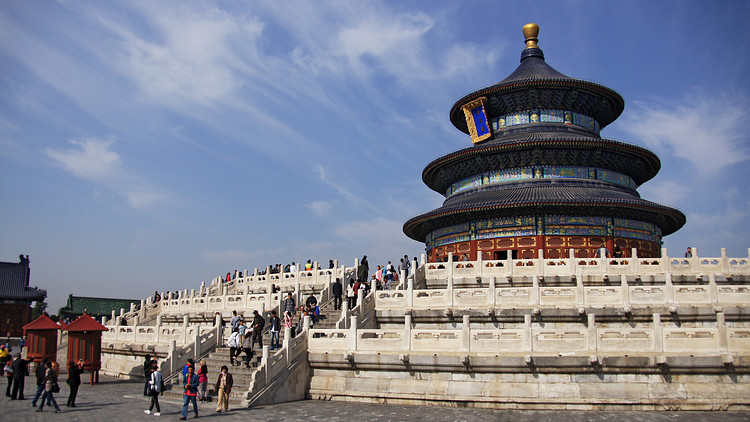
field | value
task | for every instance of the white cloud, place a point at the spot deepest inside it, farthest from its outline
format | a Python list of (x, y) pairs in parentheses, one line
[(666, 192), (194, 55), (92, 161), (708, 132), (320, 208)]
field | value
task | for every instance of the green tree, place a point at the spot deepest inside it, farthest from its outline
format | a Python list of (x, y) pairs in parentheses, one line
[(38, 309)]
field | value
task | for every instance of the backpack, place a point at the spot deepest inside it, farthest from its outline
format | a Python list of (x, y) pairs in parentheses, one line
[(234, 340)]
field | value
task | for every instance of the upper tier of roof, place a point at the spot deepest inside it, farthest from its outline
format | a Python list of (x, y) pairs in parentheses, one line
[(537, 85)]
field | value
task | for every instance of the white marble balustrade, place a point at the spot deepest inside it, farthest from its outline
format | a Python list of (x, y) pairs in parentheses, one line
[(571, 266), (531, 337)]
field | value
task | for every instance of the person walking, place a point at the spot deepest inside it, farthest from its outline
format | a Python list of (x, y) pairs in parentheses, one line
[(41, 370), (203, 381), (364, 269), (74, 380), (147, 365), (20, 370), (8, 371), (275, 322), (191, 391), (223, 388), (289, 304), (50, 387), (234, 343), (247, 347), (156, 386), (351, 296), (337, 290), (258, 323)]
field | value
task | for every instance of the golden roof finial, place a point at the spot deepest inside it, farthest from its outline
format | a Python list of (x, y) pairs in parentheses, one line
[(531, 32)]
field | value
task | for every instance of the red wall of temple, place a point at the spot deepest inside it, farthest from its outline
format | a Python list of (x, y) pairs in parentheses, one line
[(12, 319), (554, 247)]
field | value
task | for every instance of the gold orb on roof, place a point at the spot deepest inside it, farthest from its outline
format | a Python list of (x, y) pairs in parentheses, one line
[(531, 32)]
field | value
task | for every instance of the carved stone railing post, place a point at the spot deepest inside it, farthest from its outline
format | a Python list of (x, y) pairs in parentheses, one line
[(353, 333), (721, 325), (264, 361), (593, 343), (658, 334), (466, 334), (407, 332), (185, 322), (286, 342), (449, 291), (528, 340), (491, 294)]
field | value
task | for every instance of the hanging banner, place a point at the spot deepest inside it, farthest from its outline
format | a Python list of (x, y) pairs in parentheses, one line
[(476, 120)]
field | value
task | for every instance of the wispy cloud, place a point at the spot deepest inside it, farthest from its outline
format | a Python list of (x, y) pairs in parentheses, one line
[(93, 160), (667, 192), (709, 132), (320, 208)]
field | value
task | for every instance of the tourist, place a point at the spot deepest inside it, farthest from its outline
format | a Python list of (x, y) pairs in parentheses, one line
[(203, 381), (330, 264), (689, 252), (258, 323), (4, 354), (293, 268), (618, 252), (242, 328), (234, 345), (186, 369), (287, 320), (389, 271), (147, 364), (41, 371), (157, 297), (337, 290), (191, 391), (311, 301), (602, 252), (74, 380), (223, 388), (300, 319), (308, 266), (350, 295), (156, 386), (405, 265), (289, 304), (8, 371), (247, 347), (50, 387), (275, 322), (234, 322), (20, 370), (364, 269)]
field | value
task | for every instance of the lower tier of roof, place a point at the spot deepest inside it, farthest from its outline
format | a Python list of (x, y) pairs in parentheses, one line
[(544, 197)]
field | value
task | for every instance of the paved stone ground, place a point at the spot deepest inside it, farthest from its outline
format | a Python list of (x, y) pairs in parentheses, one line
[(113, 400)]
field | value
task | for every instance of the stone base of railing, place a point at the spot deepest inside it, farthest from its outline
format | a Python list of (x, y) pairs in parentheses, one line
[(532, 382)]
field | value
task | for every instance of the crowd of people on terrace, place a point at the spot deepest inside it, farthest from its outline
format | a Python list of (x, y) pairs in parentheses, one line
[(279, 268)]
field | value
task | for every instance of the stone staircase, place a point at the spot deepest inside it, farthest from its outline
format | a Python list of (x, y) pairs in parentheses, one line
[(242, 375)]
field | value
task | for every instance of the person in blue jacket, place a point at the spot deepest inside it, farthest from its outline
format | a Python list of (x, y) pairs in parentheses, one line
[(190, 384)]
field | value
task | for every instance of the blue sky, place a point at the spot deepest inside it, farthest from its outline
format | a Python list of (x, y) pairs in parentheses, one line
[(155, 145)]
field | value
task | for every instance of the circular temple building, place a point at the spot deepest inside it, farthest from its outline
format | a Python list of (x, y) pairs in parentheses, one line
[(539, 176)]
